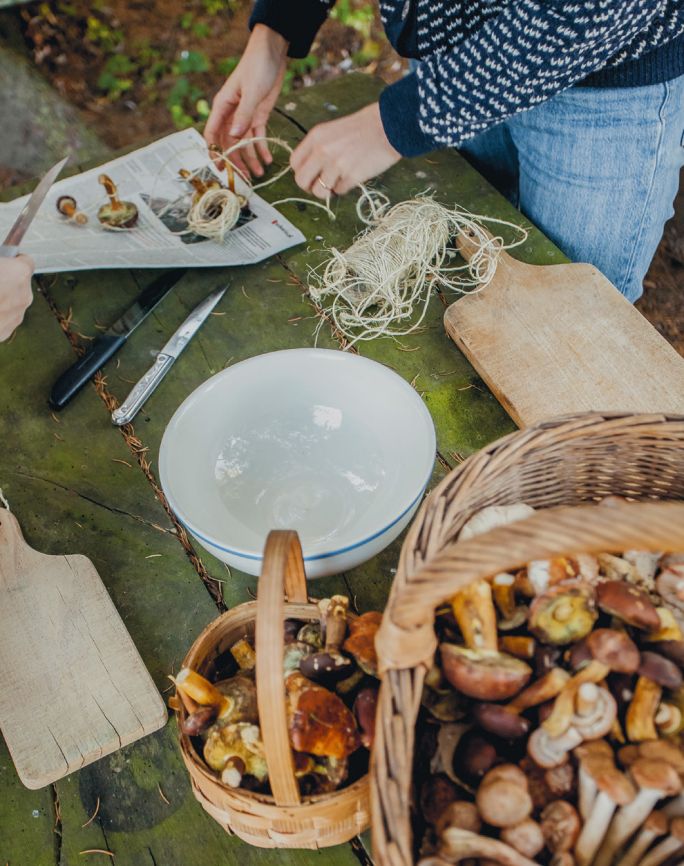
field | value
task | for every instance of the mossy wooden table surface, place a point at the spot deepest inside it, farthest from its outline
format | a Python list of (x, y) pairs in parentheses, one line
[(79, 485)]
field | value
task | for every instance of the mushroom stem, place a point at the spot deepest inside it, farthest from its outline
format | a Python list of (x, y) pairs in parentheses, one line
[(640, 719), (544, 689), (654, 826), (594, 828), (671, 845), (503, 591), (561, 716), (110, 189), (475, 614), (199, 688), (458, 845)]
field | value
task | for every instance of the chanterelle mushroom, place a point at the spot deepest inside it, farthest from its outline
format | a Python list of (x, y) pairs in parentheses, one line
[(478, 669), (654, 780)]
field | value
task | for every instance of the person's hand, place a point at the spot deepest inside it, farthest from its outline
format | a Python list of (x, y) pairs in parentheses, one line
[(338, 155), (242, 106), (15, 292)]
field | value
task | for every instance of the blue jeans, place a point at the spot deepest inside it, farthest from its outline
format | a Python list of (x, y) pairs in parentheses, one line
[(596, 169)]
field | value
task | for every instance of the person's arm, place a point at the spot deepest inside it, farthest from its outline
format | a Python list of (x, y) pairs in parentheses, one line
[(15, 293), (522, 56), (297, 21)]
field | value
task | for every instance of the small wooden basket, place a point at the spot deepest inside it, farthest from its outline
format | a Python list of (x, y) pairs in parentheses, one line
[(285, 819), (562, 463)]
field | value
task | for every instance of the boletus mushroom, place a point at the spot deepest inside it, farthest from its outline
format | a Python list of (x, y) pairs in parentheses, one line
[(234, 699), (116, 214), (330, 664), (319, 722), (478, 669), (563, 614), (628, 603), (67, 206), (361, 641), (655, 673), (235, 751)]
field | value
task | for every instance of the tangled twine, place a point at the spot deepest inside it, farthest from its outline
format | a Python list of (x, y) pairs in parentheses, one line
[(375, 286)]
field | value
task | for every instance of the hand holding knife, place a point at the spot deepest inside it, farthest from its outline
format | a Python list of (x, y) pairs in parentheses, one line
[(147, 384)]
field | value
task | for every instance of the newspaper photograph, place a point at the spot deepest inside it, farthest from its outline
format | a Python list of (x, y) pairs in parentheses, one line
[(150, 179)]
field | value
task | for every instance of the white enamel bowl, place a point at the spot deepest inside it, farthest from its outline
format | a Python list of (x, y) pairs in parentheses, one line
[(333, 445)]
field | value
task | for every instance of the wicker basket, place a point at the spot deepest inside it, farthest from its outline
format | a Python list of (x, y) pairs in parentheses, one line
[(560, 463), (284, 820)]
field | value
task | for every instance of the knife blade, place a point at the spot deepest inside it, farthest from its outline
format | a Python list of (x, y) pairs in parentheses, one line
[(107, 344), (144, 388), (10, 246)]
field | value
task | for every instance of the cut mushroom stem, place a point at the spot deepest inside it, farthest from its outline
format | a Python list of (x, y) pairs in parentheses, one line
[(199, 688), (544, 689), (640, 719), (654, 827), (475, 614), (243, 653), (458, 845), (563, 710), (673, 844), (655, 779)]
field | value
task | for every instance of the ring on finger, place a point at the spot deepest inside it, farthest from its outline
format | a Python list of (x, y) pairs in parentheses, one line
[(323, 183)]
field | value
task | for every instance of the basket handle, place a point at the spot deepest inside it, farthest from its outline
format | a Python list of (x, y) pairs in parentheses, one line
[(282, 572), (406, 637)]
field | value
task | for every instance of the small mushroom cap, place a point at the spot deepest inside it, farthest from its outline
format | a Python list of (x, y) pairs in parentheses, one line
[(462, 814), (497, 720), (673, 650), (509, 772), (594, 748), (365, 708), (436, 794), (473, 757), (563, 614), (657, 775), (627, 603), (503, 803), (656, 823), (676, 828), (526, 837), (547, 751), (326, 667), (616, 785), (660, 670), (361, 641), (196, 723), (485, 676), (124, 217), (627, 755), (560, 825), (615, 649), (662, 750), (319, 722), (65, 203)]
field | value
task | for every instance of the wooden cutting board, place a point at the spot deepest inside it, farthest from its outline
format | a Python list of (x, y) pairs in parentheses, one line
[(72, 685), (560, 339)]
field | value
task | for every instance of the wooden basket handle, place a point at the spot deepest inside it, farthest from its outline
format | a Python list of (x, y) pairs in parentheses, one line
[(282, 573), (406, 637)]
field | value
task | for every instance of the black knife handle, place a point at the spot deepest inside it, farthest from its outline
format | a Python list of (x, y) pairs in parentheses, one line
[(71, 381)]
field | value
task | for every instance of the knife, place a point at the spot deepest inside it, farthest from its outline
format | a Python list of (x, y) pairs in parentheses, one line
[(143, 389), (10, 246), (107, 344)]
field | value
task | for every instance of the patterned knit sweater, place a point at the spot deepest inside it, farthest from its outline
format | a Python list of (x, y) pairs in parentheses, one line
[(486, 60)]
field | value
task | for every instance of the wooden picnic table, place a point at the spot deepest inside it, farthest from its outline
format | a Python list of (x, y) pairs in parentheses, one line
[(77, 484)]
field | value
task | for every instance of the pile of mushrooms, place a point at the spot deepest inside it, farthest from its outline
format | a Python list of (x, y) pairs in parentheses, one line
[(330, 689), (552, 713)]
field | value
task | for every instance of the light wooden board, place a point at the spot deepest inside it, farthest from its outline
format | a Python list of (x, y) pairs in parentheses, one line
[(72, 685), (557, 339)]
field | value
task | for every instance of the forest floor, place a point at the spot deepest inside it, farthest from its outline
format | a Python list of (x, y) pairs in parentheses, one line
[(136, 69)]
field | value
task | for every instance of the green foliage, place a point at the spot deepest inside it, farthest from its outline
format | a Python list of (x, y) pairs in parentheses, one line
[(99, 33), (297, 68), (359, 17), (115, 78), (216, 7), (191, 61), (227, 67)]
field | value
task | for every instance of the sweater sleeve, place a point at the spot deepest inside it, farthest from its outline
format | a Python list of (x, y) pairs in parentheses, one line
[(523, 55), (297, 21)]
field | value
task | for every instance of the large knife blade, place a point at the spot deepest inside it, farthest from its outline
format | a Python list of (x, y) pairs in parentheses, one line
[(107, 344), (10, 246), (144, 388)]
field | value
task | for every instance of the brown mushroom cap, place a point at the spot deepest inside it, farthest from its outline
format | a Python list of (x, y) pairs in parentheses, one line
[(509, 772), (673, 650), (526, 837), (361, 641), (485, 676), (560, 825), (497, 720), (660, 670), (657, 775), (563, 614), (615, 649), (657, 822), (436, 794), (663, 750), (627, 603), (462, 814), (503, 803)]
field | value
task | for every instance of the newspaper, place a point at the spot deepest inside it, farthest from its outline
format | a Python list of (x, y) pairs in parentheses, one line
[(149, 178)]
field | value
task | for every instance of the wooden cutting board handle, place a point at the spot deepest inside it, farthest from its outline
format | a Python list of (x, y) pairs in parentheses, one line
[(468, 244)]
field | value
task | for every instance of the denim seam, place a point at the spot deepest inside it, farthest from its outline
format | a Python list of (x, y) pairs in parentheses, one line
[(640, 230)]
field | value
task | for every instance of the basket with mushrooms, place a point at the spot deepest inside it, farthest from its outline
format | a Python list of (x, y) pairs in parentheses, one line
[(572, 616), (276, 706), (549, 721)]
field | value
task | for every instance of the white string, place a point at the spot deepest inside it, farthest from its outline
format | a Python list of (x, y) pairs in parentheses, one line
[(4, 500), (378, 285)]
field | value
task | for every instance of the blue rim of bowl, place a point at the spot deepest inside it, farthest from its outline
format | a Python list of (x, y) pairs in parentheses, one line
[(319, 556), (257, 558)]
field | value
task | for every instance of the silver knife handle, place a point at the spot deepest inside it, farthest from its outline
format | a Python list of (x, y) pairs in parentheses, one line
[(142, 390), (8, 251)]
